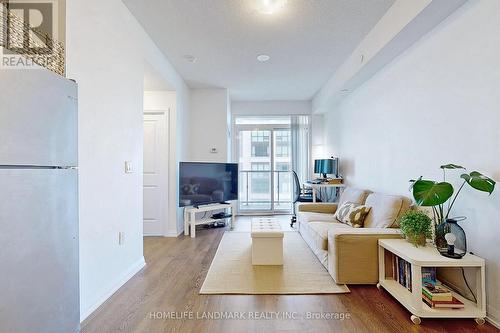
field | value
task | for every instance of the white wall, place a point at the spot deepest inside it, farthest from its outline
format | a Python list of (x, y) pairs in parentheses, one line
[(318, 149), (437, 103), (106, 53), (268, 108), (401, 26), (229, 122), (208, 126)]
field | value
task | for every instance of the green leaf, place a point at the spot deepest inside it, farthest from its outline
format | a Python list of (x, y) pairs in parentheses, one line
[(412, 182), (452, 166), (431, 193), (479, 181)]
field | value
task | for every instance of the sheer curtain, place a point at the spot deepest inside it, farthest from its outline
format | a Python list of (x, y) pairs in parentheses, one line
[(301, 156)]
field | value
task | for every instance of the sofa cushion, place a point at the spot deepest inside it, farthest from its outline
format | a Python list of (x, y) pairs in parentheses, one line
[(306, 217), (318, 207), (317, 233), (352, 214), (385, 210), (353, 255), (353, 195)]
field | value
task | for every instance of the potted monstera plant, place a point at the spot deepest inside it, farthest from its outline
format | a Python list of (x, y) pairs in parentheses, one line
[(450, 238)]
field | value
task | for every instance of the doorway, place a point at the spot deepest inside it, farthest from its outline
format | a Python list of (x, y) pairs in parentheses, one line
[(155, 177)]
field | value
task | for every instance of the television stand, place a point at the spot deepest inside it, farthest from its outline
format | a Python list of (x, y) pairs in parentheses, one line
[(190, 221)]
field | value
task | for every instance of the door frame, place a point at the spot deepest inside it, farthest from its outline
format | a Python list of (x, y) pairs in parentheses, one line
[(236, 153), (165, 176)]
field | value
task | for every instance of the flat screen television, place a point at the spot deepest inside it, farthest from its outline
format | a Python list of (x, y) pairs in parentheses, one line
[(207, 183)]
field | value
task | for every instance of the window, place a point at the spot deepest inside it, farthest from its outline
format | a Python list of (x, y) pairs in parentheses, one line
[(260, 180), (260, 143), (284, 178), (282, 143), (282, 166), (268, 148)]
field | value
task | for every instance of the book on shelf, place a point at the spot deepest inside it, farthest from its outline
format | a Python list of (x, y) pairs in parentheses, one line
[(453, 304), (437, 293), (402, 272), (434, 293), (429, 276)]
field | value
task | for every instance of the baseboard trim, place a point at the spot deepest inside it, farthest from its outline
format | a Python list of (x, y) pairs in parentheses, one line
[(493, 322), (113, 287), (173, 234)]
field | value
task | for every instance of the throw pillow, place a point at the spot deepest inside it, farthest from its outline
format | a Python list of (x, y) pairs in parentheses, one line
[(352, 214)]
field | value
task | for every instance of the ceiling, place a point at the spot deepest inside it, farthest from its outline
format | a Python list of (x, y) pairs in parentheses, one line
[(307, 41), (153, 81)]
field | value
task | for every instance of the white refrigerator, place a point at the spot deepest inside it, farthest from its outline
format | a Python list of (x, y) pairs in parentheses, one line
[(39, 273)]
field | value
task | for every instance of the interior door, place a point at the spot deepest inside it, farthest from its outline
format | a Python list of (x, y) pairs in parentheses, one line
[(155, 174)]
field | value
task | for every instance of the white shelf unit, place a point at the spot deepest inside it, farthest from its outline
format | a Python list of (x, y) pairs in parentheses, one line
[(190, 221), (428, 256)]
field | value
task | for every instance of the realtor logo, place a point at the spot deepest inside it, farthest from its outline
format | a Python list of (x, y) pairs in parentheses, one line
[(29, 27), (29, 32)]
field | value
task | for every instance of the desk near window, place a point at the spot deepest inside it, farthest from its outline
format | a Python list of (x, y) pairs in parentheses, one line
[(318, 186)]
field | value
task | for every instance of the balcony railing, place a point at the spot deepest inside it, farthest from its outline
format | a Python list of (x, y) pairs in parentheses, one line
[(265, 191)]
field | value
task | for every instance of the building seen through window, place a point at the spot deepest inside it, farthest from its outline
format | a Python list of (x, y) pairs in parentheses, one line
[(260, 143)]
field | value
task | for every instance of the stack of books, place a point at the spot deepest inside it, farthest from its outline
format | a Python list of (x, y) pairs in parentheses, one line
[(402, 272), (435, 294)]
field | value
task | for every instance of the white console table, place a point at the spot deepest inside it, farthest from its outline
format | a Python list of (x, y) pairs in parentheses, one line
[(190, 221)]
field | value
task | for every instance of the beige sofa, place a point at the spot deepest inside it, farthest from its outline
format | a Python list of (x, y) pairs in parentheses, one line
[(351, 254)]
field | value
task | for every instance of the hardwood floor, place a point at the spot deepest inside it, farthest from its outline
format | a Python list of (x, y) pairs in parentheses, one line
[(176, 269)]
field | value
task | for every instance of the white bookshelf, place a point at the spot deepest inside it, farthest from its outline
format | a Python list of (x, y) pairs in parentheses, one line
[(428, 256)]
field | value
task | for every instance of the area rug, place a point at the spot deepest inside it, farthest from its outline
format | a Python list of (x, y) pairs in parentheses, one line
[(232, 272)]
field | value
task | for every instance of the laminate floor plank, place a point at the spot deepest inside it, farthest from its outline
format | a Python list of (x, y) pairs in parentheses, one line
[(176, 268)]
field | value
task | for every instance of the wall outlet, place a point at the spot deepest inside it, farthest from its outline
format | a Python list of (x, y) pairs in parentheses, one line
[(121, 238), (128, 167)]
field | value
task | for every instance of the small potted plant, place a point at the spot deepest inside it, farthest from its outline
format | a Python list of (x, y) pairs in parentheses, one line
[(416, 226)]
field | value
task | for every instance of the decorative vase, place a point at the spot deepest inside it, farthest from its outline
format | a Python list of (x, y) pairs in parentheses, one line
[(450, 239)]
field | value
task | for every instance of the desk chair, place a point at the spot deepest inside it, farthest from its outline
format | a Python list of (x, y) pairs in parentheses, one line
[(299, 196)]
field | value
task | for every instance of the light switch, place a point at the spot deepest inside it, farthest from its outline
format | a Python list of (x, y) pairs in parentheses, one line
[(128, 167), (121, 238)]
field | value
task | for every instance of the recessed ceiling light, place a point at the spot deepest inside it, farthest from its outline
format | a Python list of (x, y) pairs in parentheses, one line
[(270, 7), (263, 57), (190, 58)]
